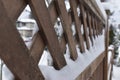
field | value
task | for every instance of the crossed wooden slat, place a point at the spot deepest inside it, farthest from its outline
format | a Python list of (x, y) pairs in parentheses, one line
[(13, 50), (21, 54), (24, 61)]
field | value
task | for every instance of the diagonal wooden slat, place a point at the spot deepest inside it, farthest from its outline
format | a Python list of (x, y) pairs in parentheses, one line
[(97, 25), (77, 24), (85, 26), (38, 44), (101, 28), (63, 44), (14, 8), (37, 47), (52, 11), (93, 27), (42, 17), (89, 25), (95, 21), (67, 27), (13, 50)]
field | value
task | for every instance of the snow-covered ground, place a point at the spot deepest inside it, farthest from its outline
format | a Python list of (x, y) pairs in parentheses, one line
[(74, 68), (116, 73)]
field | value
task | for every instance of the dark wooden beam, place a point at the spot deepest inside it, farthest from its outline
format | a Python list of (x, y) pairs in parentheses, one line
[(44, 22), (14, 52)]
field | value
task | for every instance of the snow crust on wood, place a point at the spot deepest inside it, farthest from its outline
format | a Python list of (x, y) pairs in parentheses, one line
[(73, 68)]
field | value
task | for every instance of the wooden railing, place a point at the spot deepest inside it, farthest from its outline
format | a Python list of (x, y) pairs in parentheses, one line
[(110, 62), (23, 62)]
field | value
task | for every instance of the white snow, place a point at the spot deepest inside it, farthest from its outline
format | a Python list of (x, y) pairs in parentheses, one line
[(27, 20), (6, 73), (116, 73), (74, 68)]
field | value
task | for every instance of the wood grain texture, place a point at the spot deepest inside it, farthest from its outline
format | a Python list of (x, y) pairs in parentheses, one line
[(77, 25), (89, 71), (93, 25), (14, 52), (14, 8), (89, 25), (67, 27), (44, 22), (84, 26)]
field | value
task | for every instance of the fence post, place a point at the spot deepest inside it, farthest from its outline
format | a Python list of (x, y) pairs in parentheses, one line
[(105, 64)]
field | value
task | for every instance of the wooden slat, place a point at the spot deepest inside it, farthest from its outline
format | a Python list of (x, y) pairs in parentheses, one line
[(98, 23), (92, 7), (54, 15), (93, 27), (66, 26), (37, 48), (91, 68), (96, 29), (101, 27), (97, 26), (14, 8), (89, 25), (105, 63), (42, 17), (77, 25), (63, 44), (84, 26), (13, 50), (53, 12), (38, 45)]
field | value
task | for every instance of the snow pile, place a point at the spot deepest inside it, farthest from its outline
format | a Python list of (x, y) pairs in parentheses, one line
[(74, 68)]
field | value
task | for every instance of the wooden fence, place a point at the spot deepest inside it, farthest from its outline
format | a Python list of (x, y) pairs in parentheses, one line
[(23, 62)]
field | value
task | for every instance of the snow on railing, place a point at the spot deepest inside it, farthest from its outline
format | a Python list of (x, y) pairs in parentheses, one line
[(79, 42)]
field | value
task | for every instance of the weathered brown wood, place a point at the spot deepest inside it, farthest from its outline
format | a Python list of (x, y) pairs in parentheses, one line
[(37, 47), (42, 17), (89, 25), (13, 50), (96, 27), (105, 66), (14, 10), (66, 26), (84, 26), (63, 44), (100, 28), (91, 68), (93, 8), (52, 11), (93, 27), (38, 44), (40, 41), (97, 23), (77, 25)]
